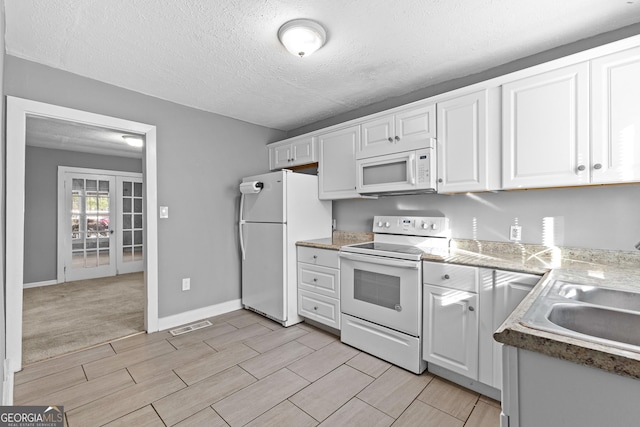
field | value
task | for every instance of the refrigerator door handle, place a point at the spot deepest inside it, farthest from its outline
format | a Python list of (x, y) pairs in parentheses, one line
[(241, 222)]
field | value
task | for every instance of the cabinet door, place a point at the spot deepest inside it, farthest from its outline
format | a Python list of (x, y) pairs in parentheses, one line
[(377, 137), (616, 117), (337, 163), (303, 151), (279, 156), (545, 129), (462, 144), (450, 329), (509, 289), (414, 127)]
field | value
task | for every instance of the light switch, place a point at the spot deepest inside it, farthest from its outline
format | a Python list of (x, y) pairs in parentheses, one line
[(164, 211)]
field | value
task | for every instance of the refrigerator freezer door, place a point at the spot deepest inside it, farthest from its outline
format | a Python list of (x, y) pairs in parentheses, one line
[(269, 204), (263, 270)]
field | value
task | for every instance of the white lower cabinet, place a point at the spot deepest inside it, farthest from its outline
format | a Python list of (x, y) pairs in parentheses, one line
[(319, 285), (450, 318), (462, 307)]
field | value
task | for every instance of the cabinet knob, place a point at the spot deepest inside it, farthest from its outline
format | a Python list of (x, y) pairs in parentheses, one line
[(315, 307), (398, 308), (315, 257), (440, 180), (397, 138), (581, 168), (597, 166), (446, 276), (390, 139), (471, 308), (315, 279)]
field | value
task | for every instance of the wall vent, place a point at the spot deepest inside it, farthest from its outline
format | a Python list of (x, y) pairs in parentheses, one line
[(190, 328)]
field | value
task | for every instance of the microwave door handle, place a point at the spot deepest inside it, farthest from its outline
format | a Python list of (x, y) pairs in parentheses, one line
[(381, 261), (412, 164)]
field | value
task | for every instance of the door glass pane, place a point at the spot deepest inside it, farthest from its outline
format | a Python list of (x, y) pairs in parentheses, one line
[(77, 260), (132, 236), (376, 288), (91, 259), (103, 257), (92, 185)]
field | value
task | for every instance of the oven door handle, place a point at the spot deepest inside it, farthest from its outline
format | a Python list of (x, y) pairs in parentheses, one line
[(381, 260)]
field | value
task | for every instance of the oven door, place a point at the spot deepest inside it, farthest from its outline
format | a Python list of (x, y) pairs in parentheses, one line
[(382, 290)]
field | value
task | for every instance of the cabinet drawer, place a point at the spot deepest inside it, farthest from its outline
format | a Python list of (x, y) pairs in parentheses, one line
[(316, 278), (459, 277), (319, 308), (325, 257)]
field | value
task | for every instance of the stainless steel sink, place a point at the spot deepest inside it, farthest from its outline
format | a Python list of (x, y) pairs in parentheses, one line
[(613, 325), (600, 296), (602, 315)]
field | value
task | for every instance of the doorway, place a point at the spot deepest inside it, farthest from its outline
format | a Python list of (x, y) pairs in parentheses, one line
[(18, 110)]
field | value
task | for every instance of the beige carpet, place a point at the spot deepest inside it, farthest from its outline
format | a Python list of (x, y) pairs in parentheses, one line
[(60, 319)]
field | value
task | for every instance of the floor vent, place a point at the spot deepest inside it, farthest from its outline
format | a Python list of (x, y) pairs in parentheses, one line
[(190, 328)]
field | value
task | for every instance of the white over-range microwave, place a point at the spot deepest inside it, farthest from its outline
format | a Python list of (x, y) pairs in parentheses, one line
[(407, 172)]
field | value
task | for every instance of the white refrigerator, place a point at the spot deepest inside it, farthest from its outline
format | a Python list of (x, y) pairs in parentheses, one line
[(277, 209)]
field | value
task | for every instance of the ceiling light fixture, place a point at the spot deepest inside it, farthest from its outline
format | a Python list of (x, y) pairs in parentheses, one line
[(133, 140), (302, 37)]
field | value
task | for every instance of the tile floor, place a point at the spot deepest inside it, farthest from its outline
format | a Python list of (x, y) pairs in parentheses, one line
[(245, 370)]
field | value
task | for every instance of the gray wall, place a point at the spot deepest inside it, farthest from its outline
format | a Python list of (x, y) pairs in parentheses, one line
[(41, 203), (594, 217), (201, 160)]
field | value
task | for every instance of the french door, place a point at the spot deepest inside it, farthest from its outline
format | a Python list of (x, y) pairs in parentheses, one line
[(90, 241), (100, 223)]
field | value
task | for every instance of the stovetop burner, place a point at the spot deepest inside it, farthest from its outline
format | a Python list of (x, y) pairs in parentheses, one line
[(405, 238)]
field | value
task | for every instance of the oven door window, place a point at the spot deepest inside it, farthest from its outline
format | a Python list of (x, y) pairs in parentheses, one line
[(376, 288)]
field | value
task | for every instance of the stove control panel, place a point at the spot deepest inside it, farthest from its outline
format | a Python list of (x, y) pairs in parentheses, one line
[(412, 225)]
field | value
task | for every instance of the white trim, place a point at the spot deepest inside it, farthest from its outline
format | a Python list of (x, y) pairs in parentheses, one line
[(180, 319), (17, 111), (39, 284), (7, 384)]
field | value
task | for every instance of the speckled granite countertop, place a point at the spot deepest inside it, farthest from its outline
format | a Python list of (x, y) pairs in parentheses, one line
[(613, 269), (339, 238)]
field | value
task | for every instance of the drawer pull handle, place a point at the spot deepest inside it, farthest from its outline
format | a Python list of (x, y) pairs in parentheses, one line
[(471, 308), (597, 166), (315, 307), (315, 279), (446, 276), (581, 168), (315, 257), (398, 308)]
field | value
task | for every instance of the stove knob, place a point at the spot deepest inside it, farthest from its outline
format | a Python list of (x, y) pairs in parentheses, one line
[(434, 226), (387, 224), (425, 226)]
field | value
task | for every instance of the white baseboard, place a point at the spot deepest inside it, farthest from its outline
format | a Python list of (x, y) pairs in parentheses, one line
[(38, 284), (168, 322), (7, 385)]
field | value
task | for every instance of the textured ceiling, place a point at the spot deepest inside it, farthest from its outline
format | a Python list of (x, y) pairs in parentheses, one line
[(64, 135), (224, 56)]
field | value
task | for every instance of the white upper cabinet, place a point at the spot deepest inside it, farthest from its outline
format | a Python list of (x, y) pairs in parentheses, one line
[(467, 125), (615, 117), (405, 130), (292, 152), (545, 129), (337, 163)]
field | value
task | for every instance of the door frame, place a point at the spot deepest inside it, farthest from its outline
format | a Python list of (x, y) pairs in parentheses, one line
[(62, 210), (16, 127)]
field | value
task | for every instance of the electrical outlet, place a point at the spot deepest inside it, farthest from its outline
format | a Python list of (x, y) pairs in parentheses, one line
[(515, 233), (186, 284)]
